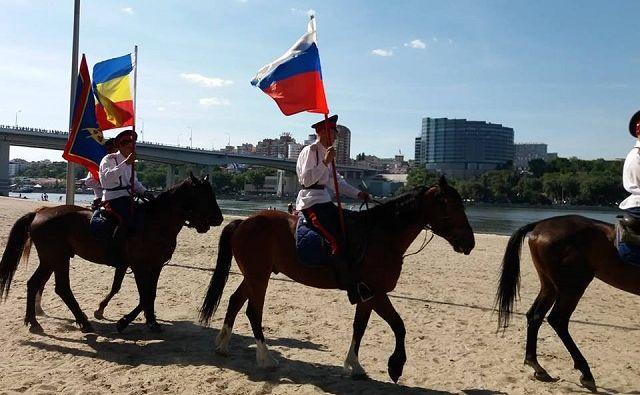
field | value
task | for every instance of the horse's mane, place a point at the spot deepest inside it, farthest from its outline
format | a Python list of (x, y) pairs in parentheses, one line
[(397, 211), (166, 198)]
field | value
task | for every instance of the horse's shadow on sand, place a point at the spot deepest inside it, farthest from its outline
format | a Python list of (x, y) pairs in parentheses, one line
[(188, 344)]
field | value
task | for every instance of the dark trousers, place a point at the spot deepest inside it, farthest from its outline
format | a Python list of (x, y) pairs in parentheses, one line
[(123, 208), (325, 219)]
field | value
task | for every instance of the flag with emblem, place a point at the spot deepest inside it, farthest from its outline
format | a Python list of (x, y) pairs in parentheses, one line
[(85, 144), (112, 87)]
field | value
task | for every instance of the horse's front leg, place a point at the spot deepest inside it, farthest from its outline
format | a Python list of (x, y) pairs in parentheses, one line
[(360, 321), (149, 304), (118, 277), (382, 305)]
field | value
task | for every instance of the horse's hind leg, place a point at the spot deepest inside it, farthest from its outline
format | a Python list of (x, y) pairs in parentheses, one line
[(63, 289), (535, 317), (38, 306), (360, 321), (254, 312), (34, 286), (236, 301), (566, 303), (118, 277), (382, 305)]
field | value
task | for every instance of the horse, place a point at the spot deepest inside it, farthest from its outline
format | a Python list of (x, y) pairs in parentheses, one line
[(567, 252), (264, 244), (61, 232)]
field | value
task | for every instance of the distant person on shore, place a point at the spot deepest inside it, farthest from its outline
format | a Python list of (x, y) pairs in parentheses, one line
[(631, 171), (290, 208), (60, 198), (118, 193), (45, 197), (94, 184), (314, 169)]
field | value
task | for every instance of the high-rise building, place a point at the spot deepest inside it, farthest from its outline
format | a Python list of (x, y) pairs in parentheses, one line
[(246, 148), (462, 148), (418, 158), (525, 152), (276, 148), (343, 145), (294, 150), (312, 138)]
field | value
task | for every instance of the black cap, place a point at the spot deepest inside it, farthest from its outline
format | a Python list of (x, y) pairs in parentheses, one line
[(128, 132), (332, 122), (633, 124)]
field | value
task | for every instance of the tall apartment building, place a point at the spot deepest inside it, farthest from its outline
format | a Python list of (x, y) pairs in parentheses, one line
[(525, 152), (276, 148), (462, 148), (343, 145), (419, 160), (294, 150), (246, 148)]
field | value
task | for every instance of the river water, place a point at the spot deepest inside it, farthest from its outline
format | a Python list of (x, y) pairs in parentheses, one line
[(484, 219)]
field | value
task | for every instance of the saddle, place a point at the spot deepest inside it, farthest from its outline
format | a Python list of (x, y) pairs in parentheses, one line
[(628, 238), (104, 222)]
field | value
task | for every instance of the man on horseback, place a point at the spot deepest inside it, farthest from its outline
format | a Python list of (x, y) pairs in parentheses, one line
[(631, 171), (315, 175), (115, 178), (93, 183)]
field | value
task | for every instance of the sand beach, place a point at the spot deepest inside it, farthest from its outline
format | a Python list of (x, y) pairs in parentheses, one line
[(444, 298)]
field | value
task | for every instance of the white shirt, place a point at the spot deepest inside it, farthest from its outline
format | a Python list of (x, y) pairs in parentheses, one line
[(94, 184), (115, 172), (631, 178), (311, 170)]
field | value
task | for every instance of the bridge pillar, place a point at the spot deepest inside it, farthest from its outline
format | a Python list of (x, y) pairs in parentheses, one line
[(171, 176), (4, 169)]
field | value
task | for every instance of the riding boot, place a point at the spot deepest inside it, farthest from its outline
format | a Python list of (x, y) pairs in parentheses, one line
[(356, 291), (115, 257)]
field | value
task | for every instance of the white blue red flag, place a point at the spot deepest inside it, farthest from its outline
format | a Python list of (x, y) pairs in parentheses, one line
[(294, 80)]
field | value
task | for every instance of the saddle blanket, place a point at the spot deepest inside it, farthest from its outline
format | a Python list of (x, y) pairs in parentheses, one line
[(102, 225), (311, 247), (629, 253)]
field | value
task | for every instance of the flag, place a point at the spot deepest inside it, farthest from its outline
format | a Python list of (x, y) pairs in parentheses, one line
[(294, 80), (85, 144), (112, 86)]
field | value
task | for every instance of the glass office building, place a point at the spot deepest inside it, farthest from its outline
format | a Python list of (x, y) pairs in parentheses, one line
[(462, 148)]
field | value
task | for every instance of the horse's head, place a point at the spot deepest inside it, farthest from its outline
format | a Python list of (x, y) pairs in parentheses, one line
[(199, 202), (445, 214)]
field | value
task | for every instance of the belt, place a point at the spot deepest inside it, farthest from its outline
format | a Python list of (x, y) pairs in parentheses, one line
[(314, 186)]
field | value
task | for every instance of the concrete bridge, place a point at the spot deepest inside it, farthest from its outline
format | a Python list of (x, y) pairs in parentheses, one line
[(148, 151)]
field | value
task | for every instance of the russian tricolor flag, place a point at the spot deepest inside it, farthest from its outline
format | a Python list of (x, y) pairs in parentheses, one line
[(294, 80)]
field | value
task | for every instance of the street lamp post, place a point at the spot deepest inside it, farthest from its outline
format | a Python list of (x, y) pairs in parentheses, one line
[(190, 136), (17, 112)]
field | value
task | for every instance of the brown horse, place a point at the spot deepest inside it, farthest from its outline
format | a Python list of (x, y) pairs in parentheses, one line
[(264, 244), (61, 232), (567, 252)]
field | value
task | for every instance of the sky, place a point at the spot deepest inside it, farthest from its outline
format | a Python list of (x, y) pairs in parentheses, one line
[(561, 73)]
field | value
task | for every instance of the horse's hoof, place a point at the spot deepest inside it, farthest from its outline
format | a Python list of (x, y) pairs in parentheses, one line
[(544, 376), (98, 314), (121, 325), (36, 328), (154, 327), (360, 376), (86, 327), (222, 351), (589, 384), (395, 366)]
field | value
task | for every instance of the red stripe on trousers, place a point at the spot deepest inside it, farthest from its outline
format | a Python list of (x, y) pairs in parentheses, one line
[(332, 241)]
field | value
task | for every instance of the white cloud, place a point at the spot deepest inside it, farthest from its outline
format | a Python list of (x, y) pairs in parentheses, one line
[(382, 52), (417, 44), (161, 109), (207, 82), (214, 101), (127, 10)]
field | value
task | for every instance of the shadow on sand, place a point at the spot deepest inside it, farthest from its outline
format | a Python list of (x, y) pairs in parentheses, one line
[(187, 344)]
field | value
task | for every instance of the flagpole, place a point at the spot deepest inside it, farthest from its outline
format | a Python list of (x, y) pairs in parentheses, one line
[(135, 102), (71, 187), (335, 179)]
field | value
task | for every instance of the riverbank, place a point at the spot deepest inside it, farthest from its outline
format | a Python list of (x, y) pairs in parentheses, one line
[(444, 298)]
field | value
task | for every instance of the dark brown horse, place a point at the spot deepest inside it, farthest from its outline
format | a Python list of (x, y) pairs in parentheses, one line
[(61, 232), (264, 244), (567, 252)]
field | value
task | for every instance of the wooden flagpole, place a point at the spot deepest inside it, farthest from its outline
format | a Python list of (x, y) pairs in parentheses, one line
[(135, 101), (335, 179), (71, 184)]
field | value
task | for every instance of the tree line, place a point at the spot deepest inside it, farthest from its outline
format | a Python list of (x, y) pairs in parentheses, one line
[(561, 181)]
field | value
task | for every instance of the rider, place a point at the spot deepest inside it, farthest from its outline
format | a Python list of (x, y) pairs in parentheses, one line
[(115, 178), (91, 182), (631, 171), (315, 174)]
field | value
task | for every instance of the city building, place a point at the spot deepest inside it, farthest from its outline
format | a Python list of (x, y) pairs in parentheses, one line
[(525, 152), (15, 166), (343, 145), (462, 148), (246, 148), (418, 159), (312, 138), (293, 150), (276, 148)]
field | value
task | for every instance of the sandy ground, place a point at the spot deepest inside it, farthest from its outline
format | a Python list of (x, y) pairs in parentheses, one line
[(444, 298)]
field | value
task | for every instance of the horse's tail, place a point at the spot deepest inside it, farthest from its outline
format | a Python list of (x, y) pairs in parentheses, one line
[(18, 244), (509, 286), (220, 275)]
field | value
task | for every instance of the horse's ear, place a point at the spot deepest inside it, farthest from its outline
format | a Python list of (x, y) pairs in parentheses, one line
[(193, 178), (206, 178), (442, 182)]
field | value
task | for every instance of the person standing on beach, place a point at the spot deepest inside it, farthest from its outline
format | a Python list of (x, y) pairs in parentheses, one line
[(631, 171), (315, 174), (118, 193)]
